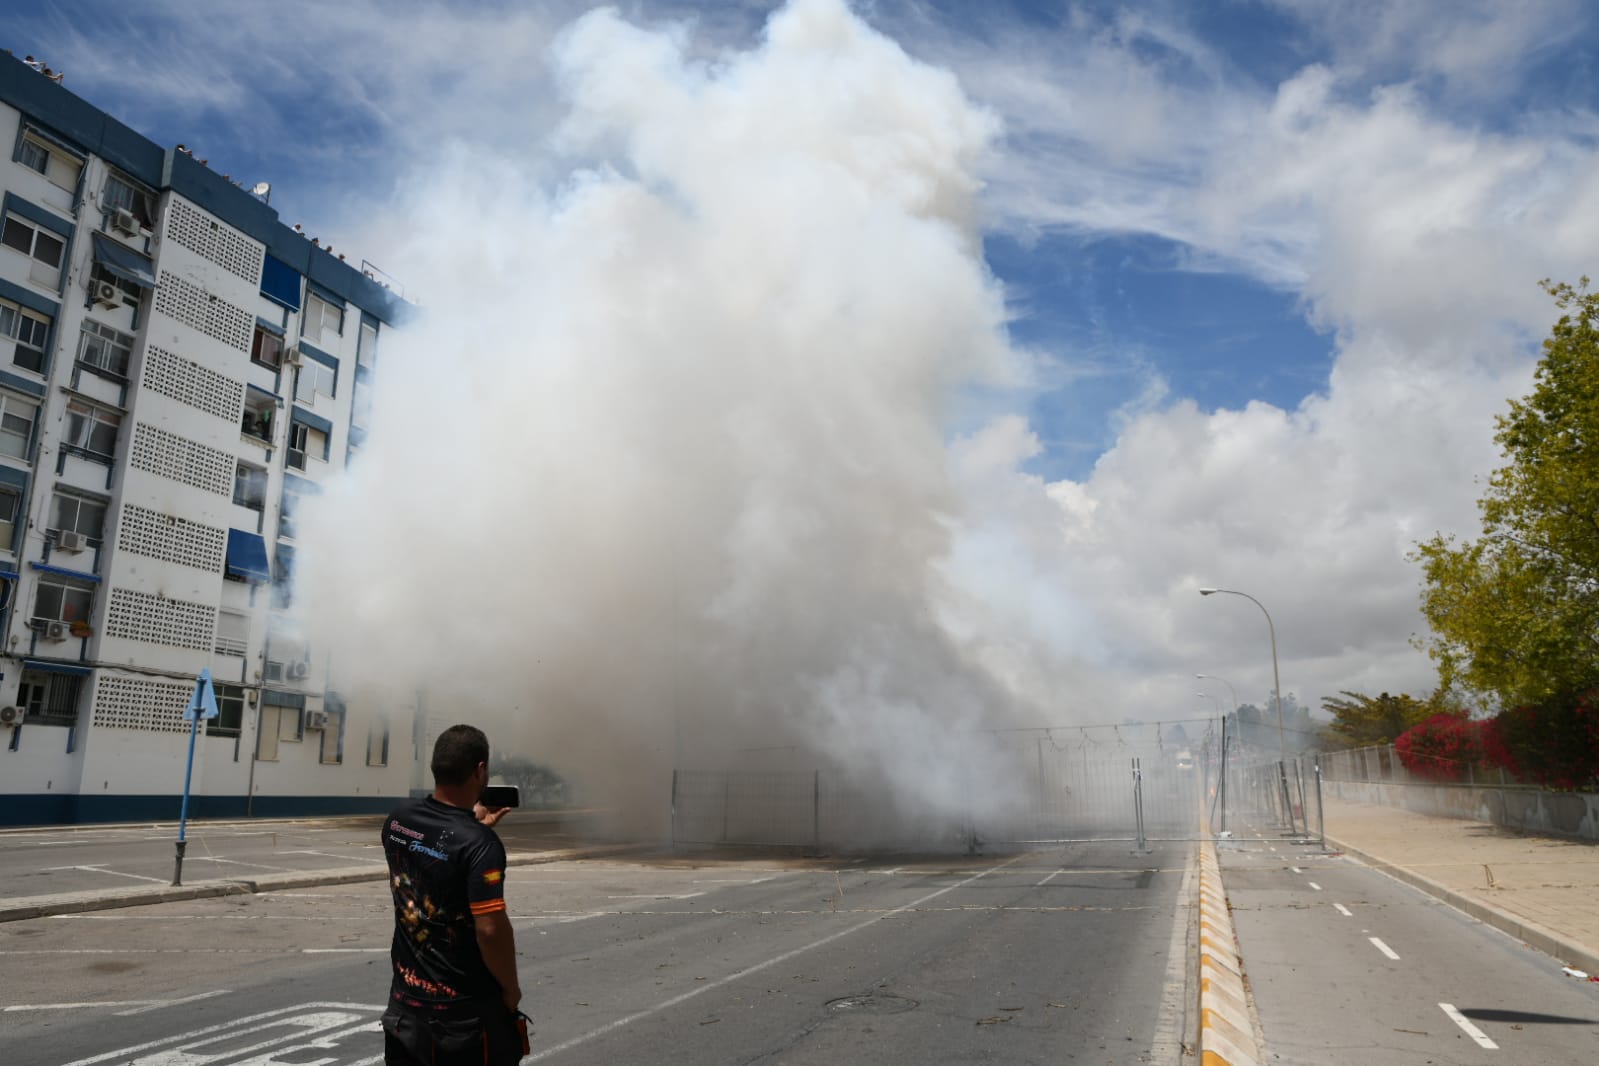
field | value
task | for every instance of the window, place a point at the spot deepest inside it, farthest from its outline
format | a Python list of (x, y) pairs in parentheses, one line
[(259, 407), (77, 514), (377, 744), (40, 245), (28, 330), (233, 633), (249, 487), (49, 699), (92, 429), (267, 348), (58, 166), (321, 318), (361, 414), (333, 739), (16, 424), (63, 599), (128, 294), (135, 199), (366, 351), (229, 721), (10, 501), (105, 349), (312, 379), (306, 441), (290, 507)]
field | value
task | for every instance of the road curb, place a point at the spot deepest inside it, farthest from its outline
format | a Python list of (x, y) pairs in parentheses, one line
[(1531, 933), (17, 910), (1226, 1034)]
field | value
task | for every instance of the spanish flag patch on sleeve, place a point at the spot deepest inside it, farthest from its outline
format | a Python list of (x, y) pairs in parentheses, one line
[(493, 877)]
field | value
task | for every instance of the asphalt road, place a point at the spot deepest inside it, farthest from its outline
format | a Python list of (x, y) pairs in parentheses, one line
[(1349, 965), (1067, 955)]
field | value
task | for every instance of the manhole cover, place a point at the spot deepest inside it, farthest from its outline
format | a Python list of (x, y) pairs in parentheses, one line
[(872, 1003)]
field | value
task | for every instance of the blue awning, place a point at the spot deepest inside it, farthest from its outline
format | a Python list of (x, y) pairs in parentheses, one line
[(247, 556), (123, 262), (64, 572), (9, 575), (269, 325), (55, 668), (280, 282)]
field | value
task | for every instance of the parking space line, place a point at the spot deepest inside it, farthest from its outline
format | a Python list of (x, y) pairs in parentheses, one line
[(1314, 885), (1341, 909), (100, 869), (1384, 948), (1471, 1030)]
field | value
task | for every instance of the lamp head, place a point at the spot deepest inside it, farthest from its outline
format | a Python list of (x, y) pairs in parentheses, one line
[(1208, 592)]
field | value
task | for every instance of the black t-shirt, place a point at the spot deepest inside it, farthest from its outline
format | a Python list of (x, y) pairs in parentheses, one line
[(445, 868)]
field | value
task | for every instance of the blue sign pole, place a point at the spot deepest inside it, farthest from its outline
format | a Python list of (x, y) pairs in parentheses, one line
[(203, 704)]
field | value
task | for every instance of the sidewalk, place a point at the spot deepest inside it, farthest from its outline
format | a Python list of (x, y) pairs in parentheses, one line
[(1541, 890)]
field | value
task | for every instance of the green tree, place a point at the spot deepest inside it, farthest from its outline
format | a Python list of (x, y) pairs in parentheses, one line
[(1360, 720), (1516, 613)]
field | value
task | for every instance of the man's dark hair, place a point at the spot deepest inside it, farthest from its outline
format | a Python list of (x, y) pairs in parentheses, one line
[(456, 754)]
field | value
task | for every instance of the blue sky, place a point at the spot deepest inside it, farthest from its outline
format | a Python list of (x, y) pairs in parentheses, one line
[(1274, 262)]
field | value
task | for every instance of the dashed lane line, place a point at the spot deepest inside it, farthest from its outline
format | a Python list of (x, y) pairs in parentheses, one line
[(1314, 885), (1471, 1030), (1384, 948), (1341, 909)]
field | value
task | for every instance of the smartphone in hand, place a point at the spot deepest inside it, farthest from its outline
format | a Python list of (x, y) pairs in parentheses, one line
[(495, 797)]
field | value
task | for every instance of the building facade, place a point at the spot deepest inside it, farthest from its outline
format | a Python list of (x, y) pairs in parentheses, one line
[(178, 369)]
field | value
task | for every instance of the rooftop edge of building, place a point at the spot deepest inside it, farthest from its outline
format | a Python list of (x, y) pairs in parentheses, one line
[(80, 124)]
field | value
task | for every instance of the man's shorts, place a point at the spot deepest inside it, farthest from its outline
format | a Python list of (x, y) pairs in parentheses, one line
[(488, 1039)]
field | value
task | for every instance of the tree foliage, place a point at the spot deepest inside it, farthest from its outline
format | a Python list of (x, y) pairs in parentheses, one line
[(541, 786), (1442, 748), (1516, 612), (1360, 720), (1555, 744)]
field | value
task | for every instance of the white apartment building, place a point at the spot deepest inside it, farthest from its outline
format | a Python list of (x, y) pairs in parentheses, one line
[(177, 369)]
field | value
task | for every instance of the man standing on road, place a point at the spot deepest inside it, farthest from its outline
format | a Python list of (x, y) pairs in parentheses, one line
[(454, 995)]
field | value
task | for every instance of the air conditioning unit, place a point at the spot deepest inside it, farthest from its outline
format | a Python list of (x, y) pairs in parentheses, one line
[(298, 670), (122, 221), (12, 715), (69, 540), (316, 719), (56, 631), (292, 357), (107, 294)]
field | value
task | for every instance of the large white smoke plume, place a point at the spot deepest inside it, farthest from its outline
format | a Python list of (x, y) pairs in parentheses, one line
[(666, 470)]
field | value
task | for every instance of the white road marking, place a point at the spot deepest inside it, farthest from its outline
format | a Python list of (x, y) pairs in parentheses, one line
[(1296, 869), (139, 1006), (1314, 885), (659, 895), (1471, 1030), (100, 869), (667, 1004), (1341, 909), (1384, 948), (321, 1024), (341, 951), (1048, 879)]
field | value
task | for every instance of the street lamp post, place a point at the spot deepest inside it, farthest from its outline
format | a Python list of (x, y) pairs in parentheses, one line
[(1231, 692), (1276, 684)]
